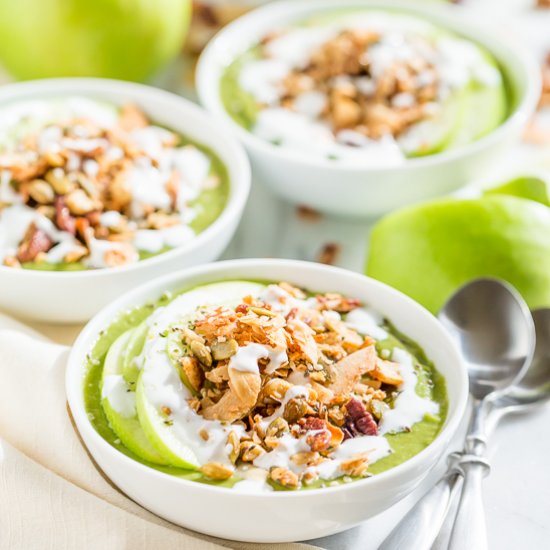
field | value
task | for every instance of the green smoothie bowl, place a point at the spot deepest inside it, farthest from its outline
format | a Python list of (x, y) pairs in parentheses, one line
[(103, 185), (251, 385), (364, 105)]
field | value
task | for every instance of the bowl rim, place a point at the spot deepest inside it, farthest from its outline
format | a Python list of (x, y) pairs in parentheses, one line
[(209, 72), (74, 372), (237, 162)]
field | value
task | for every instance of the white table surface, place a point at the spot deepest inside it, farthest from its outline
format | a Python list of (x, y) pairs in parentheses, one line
[(517, 493)]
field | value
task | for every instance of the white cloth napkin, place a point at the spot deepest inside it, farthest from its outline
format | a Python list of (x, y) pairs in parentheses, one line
[(51, 493)]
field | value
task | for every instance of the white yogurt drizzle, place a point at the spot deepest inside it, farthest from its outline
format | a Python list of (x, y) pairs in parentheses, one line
[(115, 390), (246, 358), (458, 62), (147, 182), (409, 408)]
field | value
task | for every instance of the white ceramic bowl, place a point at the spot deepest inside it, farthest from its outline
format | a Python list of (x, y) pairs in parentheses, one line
[(349, 190), (279, 516), (66, 297)]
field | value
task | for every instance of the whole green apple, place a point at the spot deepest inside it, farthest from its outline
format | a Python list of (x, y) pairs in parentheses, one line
[(126, 39), (428, 251)]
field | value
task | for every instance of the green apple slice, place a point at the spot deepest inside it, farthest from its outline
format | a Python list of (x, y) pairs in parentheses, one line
[(161, 396), (485, 109), (159, 429), (134, 346), (433, 135), (123, 419)]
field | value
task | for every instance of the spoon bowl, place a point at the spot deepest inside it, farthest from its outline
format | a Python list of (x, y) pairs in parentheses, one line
[(493, 328), (533, 388)]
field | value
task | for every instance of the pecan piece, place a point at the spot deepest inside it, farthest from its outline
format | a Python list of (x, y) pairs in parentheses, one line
[(63, 218), (34, 242), (358, 420), (321, 437)]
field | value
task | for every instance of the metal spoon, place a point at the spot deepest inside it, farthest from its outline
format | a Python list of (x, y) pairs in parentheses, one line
[(493, 327), (530, 391)]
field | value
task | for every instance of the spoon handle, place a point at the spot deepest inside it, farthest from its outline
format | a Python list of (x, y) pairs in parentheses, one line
[(469, 531), (419, 528)]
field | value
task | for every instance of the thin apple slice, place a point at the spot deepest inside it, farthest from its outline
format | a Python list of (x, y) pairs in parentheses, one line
[(119, 403), (162, 398)]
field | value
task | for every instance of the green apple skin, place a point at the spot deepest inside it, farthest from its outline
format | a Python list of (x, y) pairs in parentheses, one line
[(125, 39), (526, 187), (428, 251), (168, 445), (128, 429)]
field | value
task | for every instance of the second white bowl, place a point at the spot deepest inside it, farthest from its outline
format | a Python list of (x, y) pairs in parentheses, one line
[(351, 190), (69, 297)]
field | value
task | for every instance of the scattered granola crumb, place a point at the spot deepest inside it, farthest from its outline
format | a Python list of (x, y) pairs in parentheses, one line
[(329, 253), (308, 214)]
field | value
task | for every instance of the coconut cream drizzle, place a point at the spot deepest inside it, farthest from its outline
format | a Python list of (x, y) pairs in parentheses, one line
[(246, 358), (409, 408), (115, 390), (367, 322)]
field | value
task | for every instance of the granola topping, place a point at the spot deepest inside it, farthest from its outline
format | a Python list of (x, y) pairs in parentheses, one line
[(372, 87), (272, 385), (88, 184)]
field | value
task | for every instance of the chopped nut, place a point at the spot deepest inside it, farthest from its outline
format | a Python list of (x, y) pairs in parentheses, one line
[(201, 352), (320, 438), (41, 191), (277, 427), (275, 389), (191, 336), (306, 458), (76, 254), (204, 435), (310, 476), (358, 420), (79, 202), (34, 242), (356, 466), (120, 192), (224, 350), (295, 409), (192, 372), (263, 311), (217, 471), (250, 451), (234, 441), (284, 477)]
